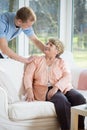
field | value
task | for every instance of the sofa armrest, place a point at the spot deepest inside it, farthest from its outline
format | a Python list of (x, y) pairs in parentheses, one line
[(3, 104)]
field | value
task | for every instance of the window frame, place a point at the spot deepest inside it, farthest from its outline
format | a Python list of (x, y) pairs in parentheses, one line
[(23, 40), (65, 27), (66, 23)]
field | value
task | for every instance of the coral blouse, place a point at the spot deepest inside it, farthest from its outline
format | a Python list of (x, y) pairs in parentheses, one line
[(37, 75)]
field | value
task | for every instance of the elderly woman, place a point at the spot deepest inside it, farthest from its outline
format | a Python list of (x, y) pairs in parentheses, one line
[(47, 78)]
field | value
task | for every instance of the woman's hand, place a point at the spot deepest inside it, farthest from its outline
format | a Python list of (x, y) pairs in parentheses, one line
[(51, 92), (29, 95)]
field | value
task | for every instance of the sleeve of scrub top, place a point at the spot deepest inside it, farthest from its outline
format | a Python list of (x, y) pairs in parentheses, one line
[(29, 32), (2, 28)]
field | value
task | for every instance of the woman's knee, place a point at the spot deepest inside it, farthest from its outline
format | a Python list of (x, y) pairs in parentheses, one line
[(75, 97), (60, 99), (81, 99)]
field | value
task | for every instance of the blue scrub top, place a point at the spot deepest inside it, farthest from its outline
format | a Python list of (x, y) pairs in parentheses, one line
[(8, 29)]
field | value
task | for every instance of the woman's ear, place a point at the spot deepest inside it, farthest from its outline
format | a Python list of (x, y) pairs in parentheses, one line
[(56, 51)]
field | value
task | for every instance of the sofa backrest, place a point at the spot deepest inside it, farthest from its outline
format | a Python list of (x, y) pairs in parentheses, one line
[(11, 75), (68, 57)]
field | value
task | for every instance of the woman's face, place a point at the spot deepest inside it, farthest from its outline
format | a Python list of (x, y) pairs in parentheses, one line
[(50, 50)]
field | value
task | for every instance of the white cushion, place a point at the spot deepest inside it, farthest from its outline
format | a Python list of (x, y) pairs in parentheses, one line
[(31, 110), (11, 74), (68, 57), (75, 72)]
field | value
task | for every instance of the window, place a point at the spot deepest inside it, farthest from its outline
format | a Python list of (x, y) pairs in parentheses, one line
[(47, 24), (79, 46), (54, 19), (10, 6)]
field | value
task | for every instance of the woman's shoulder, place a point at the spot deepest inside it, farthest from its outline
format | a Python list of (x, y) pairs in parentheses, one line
[(38, 59), (61, 62)]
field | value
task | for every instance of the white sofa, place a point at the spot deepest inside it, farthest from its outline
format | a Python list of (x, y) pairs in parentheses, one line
[(17, 114)]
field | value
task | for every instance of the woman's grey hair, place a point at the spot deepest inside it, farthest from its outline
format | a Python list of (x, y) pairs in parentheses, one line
[(59, 45)]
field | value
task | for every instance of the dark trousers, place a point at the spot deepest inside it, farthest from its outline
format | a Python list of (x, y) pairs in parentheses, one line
[(1, 56), (63, 105)]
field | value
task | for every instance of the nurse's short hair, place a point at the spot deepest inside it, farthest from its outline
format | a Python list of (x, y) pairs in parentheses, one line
[(26, 13)]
